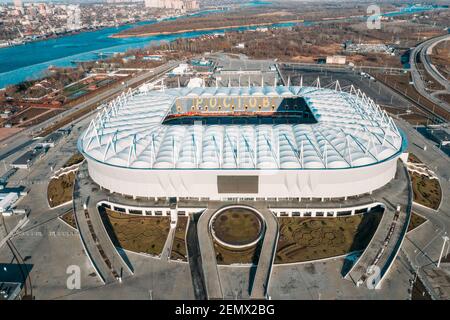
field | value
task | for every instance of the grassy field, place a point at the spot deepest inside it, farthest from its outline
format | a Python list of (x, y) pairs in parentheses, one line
[(237, 226), (179, 241), (306, 239), (59, 190), (416, 220), (427, 192), (136, 233), (69, 218)]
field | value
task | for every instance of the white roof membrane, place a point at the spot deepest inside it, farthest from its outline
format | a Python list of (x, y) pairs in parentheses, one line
[(351, 131)]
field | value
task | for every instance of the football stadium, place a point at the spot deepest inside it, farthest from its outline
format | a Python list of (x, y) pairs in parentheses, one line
[(242, 142)]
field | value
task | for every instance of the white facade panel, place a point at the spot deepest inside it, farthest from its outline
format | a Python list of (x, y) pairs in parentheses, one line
[(276, 183)]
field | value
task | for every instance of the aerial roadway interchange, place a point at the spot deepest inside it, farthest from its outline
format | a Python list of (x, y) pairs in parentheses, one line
[(39, 252), (422, 53)]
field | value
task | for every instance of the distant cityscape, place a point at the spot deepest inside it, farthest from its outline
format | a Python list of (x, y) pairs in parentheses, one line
[(24, 22)]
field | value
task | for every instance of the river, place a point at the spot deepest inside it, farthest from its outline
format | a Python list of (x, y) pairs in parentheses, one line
[(30, 60)]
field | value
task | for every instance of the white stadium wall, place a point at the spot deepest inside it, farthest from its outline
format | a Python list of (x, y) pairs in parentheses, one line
[(276, 183)]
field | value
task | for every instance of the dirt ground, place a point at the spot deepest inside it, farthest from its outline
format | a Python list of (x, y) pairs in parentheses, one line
[(416, 220), (444, 97), (441, 58), (7, 132), (69, 218), (401, 84)]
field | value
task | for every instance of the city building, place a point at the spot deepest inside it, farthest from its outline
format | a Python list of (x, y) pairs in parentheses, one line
[(336, 60), (52, 139), (195, 82), (440, 134), (10, 290), (172, 4), (181, 69), (19, 5), (368, 48), (73, 17), (243, 142), (7, 200), (27, 159)]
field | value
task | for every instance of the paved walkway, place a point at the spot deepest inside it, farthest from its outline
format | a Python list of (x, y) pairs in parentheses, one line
[(424, 245), (260, 282), (267, 255), (195, 258), (89, 243), (385, 244), (104, 255), (208, 254), (166, 251)]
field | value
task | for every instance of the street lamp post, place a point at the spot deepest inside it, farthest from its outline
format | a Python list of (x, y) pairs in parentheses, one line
[(445, 238)]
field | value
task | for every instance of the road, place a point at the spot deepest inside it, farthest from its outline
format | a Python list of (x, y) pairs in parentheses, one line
[(423, 247), (422, 51), (22, 139), (340, 67)]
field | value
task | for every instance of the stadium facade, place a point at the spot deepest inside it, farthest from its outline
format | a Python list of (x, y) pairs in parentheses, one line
[(236, 142)]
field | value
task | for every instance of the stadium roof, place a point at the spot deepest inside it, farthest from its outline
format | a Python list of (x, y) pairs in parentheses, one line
[(351, 131)]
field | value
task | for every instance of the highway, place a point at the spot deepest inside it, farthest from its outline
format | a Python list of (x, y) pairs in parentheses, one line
[(422, 51), (23, 138), (338, 67), (423, 248)]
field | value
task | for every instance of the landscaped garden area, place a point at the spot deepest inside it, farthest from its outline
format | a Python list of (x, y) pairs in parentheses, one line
[(146, 234), (69, 218), (179, 251), (427, 191), (59, 189), (426, 187), (237, 226), (306, 239), (416, 220)]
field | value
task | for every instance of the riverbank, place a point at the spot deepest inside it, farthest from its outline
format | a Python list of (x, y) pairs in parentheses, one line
[(66, 34), (31, 60), (250, 25), (153, 19)]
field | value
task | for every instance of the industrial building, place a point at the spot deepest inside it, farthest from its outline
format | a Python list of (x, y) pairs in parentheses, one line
[(27, 159), (7, 200)]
